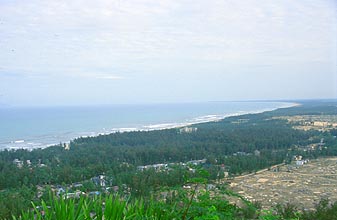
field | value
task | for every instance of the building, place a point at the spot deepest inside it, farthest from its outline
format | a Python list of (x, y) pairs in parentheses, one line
[(197, 162), (299, 162), (257, 153), (18, 163), (187, 130), (99, 180), (66, 146), (156, 167)]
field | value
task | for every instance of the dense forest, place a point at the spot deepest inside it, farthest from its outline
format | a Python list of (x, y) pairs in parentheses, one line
[(239, 144)]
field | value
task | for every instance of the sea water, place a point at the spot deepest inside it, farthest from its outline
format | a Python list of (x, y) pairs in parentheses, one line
[(38, 127)]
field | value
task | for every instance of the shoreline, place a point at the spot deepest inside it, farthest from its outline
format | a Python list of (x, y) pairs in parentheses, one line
[(30, 145)]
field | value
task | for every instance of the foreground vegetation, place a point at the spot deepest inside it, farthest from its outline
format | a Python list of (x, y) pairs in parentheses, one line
[(184, 207), (235, 145)]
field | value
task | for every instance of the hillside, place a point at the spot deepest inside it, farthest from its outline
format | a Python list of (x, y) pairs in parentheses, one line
[(141, 164)]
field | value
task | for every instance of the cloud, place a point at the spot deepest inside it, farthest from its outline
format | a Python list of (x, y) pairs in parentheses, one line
[(137, 39), (105, 76), (110, 77), (133, 31)]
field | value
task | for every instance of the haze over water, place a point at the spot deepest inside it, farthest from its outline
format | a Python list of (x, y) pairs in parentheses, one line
[(41, 127)]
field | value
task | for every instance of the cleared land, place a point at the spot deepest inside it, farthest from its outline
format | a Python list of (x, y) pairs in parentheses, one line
[(308, 122), (303, 186)]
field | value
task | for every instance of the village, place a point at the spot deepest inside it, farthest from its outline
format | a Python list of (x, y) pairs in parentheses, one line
[(314, 122), (303, 183), (102, 184)]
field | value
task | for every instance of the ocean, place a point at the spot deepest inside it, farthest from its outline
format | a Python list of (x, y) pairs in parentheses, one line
[(39, 127)]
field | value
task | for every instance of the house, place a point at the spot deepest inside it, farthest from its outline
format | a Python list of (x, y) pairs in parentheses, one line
[(40, 164), (197, 162), (299, 162), (187, 130), (159, 167), (95, 193), (187, 187), (241, 153), (77, 185), (298, 157), (99, 180), (76, 194), (18, 163), (141, 168), (191, 170), (60, 191), (210, 186), (321, 123), (66, 146), (156, 167)]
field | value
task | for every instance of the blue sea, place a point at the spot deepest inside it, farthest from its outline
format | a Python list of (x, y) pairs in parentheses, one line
[(40, 127)]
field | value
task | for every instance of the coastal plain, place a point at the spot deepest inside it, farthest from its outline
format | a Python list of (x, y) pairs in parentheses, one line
[(302, 184)]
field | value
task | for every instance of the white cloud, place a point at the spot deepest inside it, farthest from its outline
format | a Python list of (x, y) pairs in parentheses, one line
[(120, 31), (111, 77), (134, 39)]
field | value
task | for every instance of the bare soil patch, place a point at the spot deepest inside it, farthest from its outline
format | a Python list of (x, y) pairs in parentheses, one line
[(303, 186)]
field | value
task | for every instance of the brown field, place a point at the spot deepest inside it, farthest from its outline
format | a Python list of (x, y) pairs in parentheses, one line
[(303, 186), (308, 122)]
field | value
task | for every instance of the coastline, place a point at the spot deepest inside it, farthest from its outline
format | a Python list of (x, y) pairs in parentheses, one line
[(29, 145), (212, 118)]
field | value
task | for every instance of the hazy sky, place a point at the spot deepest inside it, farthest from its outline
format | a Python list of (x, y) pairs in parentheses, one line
[(125, 51)]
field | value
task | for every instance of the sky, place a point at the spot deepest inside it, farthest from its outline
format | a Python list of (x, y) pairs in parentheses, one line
[(72, 52)]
